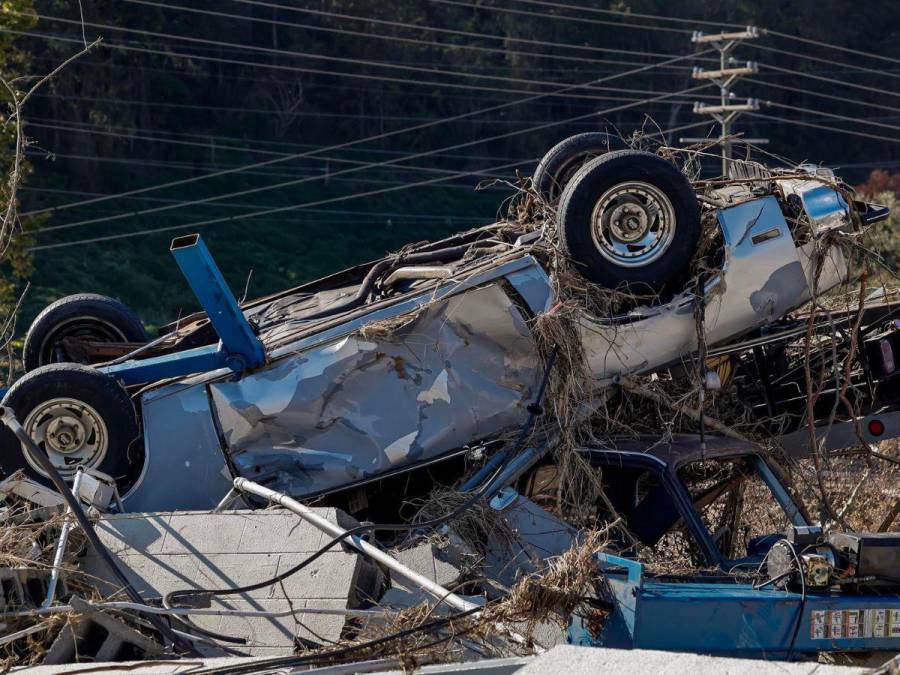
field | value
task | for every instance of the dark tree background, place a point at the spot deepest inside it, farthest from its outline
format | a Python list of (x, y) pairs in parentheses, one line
[(149, 108)]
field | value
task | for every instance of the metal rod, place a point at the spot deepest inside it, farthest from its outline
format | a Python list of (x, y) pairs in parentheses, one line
[(426, 584), (67, 526)]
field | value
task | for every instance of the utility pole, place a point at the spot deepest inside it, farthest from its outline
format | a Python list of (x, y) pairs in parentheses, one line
[(725, 77)]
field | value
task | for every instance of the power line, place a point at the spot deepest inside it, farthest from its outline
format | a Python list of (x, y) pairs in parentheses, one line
[(447, 31), (842, 64), (830, 80), (323, 57), (365, 167), (282, 209), (809, 92), (578, 19), (381, 136), (824, 127), (270, 111), (265, 212), (830, 45), (337, 59), (385, 214), (393, 38), (630, 14), (856, 120)]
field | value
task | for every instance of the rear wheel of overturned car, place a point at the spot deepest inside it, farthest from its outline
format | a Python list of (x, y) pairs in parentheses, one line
[(79, 417), (85, 316), (630, 220), (564, 159)]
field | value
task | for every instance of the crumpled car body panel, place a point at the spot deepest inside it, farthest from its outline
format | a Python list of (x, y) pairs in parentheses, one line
[(462, 370)]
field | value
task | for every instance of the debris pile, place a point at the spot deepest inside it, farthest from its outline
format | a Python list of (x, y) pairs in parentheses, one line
[(483, 447)]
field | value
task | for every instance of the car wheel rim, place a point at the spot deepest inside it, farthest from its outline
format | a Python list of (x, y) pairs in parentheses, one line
[(71, 432), (83, 328), (633, 224)]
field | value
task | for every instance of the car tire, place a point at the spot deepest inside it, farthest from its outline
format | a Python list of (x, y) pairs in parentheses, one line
[(564, 159), (87, 315), (629, 220), (79, 417)]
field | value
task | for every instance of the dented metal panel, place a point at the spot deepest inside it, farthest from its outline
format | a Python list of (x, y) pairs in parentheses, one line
[(462, 369)]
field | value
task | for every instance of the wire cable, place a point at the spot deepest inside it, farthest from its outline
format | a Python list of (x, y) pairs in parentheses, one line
[(823, 127), (631, 15), (448, 31), (855, 120), (282, 209), (818, 59), (830, 80), (376, 137), (577, 19), (371, 165), (796, 90), (830, 45)]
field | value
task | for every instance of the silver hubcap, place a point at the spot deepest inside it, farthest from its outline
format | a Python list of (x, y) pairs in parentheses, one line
[(633, 224), (71, 432)]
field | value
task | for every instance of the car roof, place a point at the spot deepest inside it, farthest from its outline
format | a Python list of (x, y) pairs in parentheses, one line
[(681, 448)]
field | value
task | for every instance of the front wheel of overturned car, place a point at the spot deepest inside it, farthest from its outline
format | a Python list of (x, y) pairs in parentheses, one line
[(79, 417), (85, 316), (630, 220)]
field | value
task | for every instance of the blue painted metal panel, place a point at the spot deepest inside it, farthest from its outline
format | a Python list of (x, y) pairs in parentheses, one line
[(736, 619), (243, 348)]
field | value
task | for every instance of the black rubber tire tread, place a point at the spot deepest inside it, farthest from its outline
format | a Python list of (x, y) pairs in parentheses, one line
[(576, 207), (102, 307), (83, 383), (554, 170)]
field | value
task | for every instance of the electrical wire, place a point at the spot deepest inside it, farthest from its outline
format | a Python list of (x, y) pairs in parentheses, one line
[(577, 19), (297, 69), (395, 38), (796, 90), (830, 80), (823, 127), (447, 31), (388, 162), (376, 137), (809, 57), (630, 15), (822, 113), (829, 45), (356, 61)]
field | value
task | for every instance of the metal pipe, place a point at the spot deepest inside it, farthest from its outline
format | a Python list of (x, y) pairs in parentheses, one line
[(426, 584), (417, 272), (60, 552), (188, 611)]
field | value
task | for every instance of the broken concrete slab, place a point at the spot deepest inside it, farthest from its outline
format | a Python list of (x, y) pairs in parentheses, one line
[(164, 552)]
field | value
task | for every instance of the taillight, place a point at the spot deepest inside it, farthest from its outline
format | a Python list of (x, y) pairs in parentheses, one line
[(876, 428)]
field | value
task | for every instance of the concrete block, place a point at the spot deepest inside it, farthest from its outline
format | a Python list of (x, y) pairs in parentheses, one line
[(426, 560), (163, 552)]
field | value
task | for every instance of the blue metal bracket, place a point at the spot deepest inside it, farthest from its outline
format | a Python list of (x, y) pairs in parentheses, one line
[(238, 349), (241, 345)]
